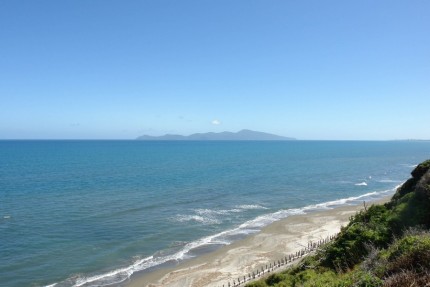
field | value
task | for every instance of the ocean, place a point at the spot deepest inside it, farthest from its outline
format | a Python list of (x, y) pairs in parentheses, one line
[(92, 213)]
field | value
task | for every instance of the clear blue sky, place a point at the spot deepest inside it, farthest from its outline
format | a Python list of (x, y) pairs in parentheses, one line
[(104, 69)]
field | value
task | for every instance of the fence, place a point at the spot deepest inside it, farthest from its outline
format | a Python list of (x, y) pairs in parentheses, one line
[(270, 267)]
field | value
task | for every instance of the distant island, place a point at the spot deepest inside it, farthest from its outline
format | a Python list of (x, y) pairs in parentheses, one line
[(243, 135)]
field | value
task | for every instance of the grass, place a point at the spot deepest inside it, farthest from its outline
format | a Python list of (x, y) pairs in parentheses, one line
[(384, 245)]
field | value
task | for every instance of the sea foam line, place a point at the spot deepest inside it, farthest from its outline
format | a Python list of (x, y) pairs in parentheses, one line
[(363, 183), (251, 226), (214, 216)]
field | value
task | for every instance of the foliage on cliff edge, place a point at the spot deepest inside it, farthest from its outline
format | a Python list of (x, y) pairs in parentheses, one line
[(384, 245)]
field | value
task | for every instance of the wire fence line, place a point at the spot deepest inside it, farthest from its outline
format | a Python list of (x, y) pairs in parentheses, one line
[(276, 264)]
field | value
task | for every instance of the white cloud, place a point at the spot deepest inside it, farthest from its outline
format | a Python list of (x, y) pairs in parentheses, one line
[(216, 122)]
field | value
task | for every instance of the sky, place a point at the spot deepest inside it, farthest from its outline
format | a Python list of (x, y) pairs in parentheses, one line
[(102, 69)]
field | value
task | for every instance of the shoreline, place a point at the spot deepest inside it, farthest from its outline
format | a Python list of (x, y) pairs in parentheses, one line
[(245, 256)]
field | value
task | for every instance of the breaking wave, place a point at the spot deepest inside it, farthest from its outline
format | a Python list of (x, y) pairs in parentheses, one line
[(363, 183), (222, 238), (214, 216)]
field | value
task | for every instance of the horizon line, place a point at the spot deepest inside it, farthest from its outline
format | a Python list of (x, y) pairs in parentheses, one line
[(281, 140)]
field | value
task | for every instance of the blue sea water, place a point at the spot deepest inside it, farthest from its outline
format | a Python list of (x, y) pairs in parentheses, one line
[(92, 213)]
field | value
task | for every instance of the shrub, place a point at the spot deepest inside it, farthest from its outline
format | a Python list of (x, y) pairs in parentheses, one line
[(366, 279), (367, 227), (275, 278), (407, 278), (412, 252), (406, 188), (368, 239), (421, 169), (411, 210), (259, 283)]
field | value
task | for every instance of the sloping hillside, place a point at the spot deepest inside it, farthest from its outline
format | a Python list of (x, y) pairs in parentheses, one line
[(384, 245)]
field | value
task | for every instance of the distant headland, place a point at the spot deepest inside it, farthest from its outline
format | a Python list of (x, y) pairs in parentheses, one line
[(243, 135)]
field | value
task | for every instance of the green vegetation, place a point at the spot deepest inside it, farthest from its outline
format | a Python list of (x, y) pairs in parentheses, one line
[(384, 245)]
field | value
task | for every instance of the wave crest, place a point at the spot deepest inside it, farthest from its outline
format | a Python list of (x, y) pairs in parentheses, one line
[(223, 238), (361, 184), (214, 216)]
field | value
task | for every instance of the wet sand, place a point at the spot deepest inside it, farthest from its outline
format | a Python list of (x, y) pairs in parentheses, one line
[(242, 257)]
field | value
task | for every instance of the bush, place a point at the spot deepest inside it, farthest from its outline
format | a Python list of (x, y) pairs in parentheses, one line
[(367, 227), (259, 283), (411, 210), (407, 278), (411, 252), (366, 279), (275, 278), (421, 169), (406, 188), (369, 239)]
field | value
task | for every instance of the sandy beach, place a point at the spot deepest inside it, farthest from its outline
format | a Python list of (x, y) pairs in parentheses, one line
[(242, 257)]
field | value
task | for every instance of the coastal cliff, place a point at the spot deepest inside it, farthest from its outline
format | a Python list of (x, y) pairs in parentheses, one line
[(383, 245)]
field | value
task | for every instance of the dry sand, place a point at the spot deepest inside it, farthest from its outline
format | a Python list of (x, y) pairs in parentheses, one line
[(273, 242)]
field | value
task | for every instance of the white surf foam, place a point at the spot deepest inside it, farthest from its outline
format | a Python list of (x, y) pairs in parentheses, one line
[(408, 165), (388, 181), (197, 218), (252, 226), (214, 216), (361, 184), (250, 206), (212, 212)]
